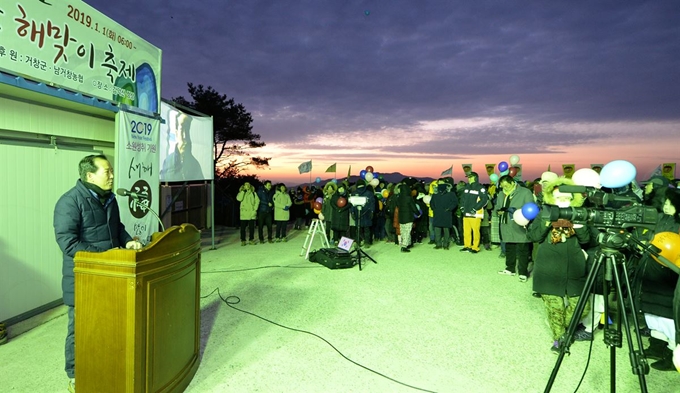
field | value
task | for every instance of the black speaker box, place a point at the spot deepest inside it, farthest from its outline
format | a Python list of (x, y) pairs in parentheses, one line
[(332, 258)]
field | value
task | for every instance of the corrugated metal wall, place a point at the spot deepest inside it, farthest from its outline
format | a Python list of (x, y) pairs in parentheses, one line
[(29, 117), (33, 178)]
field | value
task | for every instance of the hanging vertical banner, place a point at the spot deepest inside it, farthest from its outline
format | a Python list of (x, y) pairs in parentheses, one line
[(137, 164), (518, 172), (596, 167), (490, 169), (568, 170), (668, 171), (467, 168)]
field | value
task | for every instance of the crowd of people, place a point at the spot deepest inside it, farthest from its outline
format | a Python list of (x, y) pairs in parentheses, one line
[(472, 215), (555, 252)]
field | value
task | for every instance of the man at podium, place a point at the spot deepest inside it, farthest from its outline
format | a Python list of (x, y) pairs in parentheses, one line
[(86, 218)]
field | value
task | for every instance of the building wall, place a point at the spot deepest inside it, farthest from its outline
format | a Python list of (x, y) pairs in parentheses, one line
[(34, 118), (34, 175)]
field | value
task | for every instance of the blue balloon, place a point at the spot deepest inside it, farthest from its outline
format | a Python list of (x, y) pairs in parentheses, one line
[(318, 180), (334, 181), (503, 166), (362, 174), (617, 174), (530, 210)]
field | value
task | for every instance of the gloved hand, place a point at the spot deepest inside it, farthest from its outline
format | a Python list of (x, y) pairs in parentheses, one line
[(544, 216)]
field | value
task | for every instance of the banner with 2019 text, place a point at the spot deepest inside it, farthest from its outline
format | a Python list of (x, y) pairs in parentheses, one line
[(136, 170)]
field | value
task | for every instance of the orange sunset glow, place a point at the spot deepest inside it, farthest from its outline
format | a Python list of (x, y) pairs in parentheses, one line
[(645, 145)]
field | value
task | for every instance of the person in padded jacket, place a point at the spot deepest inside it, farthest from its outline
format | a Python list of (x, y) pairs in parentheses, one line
[(560, 268), (472, 202), (86, 218)]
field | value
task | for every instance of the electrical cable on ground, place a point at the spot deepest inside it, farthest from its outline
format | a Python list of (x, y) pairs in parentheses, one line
[(232, 300), (306, 266)]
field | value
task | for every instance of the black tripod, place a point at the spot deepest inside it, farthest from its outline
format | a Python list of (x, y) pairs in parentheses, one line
[(613, 260), (358, 249)]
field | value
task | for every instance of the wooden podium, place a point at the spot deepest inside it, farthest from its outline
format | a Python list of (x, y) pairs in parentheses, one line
[(137, 315)]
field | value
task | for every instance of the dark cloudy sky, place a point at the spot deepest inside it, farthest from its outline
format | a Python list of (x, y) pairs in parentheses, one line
[(418, 86)]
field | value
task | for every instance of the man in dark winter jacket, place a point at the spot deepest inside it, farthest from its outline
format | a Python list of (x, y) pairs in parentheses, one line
[(86, 218), (443, 204), (265, 212)]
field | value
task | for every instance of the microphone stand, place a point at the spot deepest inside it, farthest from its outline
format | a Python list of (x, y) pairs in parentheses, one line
[(148, 209), (358, 249), (137, 198)]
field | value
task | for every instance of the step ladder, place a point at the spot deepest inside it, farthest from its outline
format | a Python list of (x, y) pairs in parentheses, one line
[(316, 229)]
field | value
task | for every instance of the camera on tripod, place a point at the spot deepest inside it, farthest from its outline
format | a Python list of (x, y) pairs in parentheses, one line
[(615, 217), (613, 223), (603, 216)]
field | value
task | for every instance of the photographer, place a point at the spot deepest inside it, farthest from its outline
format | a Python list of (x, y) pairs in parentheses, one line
[(560, 267), (656, 289), (248, 211)]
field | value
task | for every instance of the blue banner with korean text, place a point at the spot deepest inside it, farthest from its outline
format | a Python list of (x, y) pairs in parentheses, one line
[(136, 166), (73, 46)]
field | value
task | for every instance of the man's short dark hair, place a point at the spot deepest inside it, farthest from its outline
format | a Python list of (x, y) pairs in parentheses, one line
[(507, 179), (87, 165)]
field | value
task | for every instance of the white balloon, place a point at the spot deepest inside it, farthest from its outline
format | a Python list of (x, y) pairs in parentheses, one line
[(427, 199), (519, 218), (586, 177), (368, 176), (514, 159), (548, 176), (375, 182)]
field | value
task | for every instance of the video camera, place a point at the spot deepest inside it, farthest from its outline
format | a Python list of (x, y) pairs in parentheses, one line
[(622, 218), (603, 216)]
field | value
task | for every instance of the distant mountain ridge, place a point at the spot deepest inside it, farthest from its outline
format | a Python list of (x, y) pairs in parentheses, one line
[(393, 177)]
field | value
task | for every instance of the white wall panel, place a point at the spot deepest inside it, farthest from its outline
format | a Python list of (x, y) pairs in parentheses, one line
[(34, 179), (27, 117)]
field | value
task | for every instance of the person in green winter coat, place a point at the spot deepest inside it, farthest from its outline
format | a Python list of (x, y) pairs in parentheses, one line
[(282, 204), (249, 203)]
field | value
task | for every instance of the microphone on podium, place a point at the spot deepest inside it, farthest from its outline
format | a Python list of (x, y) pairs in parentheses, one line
[(126, 193)]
